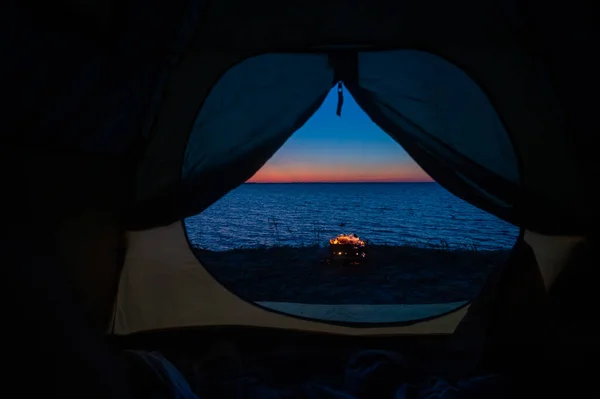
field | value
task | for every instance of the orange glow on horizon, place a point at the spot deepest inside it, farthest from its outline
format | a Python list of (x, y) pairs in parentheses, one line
[(310, 173)]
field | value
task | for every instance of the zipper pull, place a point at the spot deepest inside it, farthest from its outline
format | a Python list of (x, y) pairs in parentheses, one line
[(340, 91)]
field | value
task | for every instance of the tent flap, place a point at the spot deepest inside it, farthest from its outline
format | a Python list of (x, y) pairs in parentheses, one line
[(449, 126), (505, 141), (248, 115), (440, 116)]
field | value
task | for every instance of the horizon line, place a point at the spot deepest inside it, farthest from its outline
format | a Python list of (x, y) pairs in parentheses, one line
[(339, 182)]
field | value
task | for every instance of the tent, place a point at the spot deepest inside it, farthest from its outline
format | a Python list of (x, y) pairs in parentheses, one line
[(123, 118)]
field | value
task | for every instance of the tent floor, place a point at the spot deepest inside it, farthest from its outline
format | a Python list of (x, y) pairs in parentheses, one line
[(363, 313)]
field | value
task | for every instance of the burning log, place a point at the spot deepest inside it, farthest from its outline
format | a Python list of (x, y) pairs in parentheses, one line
[(348, 248)]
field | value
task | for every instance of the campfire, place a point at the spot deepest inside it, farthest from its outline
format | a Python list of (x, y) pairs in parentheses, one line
[(348, 248)]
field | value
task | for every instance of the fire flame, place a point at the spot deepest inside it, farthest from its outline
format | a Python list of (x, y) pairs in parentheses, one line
[(348, 239)]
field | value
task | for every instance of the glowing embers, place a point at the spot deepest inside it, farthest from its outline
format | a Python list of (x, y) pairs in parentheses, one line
[(348, 249)]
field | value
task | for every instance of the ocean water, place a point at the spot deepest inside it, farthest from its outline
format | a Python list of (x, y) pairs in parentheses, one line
[(420, 214)]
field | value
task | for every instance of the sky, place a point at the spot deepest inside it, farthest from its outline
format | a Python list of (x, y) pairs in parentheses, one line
[(350, 148)]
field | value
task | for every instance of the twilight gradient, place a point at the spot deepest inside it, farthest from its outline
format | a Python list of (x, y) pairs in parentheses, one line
[(350, 148)]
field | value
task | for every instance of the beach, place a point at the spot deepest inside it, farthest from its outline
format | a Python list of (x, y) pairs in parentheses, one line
[(392, 275)]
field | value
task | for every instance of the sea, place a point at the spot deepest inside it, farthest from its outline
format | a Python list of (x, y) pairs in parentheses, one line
[(258, 215)]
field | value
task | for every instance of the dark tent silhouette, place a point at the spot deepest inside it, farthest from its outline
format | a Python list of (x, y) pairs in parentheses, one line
[(123, 118)]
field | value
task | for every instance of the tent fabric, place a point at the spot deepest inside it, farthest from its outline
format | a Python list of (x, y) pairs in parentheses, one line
[(62, 355), (248, 106), (445, 122), (572, 68), (85, 84), (95, 91), (117, 80), (254, 107), (164, 286), (549, 196), (262, 100), (442, 101)]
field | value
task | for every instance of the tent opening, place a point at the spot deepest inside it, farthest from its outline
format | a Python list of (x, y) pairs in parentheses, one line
[(342, 225)]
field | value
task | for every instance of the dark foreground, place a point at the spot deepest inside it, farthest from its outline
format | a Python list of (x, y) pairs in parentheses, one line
[(393, 275)]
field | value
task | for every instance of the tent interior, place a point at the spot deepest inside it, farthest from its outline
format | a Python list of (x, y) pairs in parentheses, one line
[(125, 118)]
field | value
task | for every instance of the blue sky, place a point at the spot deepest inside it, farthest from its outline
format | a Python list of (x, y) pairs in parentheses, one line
[(330, 148)]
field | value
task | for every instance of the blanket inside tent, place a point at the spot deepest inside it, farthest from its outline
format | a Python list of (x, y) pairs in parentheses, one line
[(368, 374)]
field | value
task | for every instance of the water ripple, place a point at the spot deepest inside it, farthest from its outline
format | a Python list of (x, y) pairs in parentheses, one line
[(302, 214)]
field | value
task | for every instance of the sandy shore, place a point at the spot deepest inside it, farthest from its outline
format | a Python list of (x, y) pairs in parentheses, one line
[(393, 275)]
